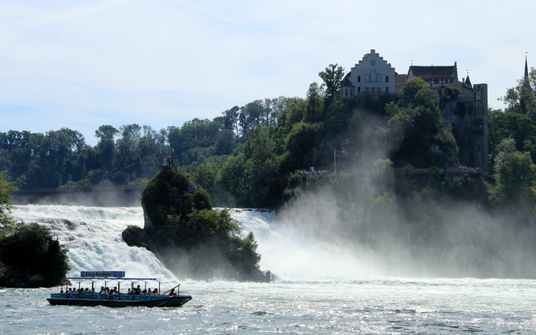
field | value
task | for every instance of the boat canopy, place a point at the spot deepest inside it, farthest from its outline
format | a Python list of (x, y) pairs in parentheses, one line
[(103, 275)]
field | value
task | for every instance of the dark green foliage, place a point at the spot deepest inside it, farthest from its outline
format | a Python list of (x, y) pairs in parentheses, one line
[(332, 77), (519, 127), (183, 222), (165, 195), (134, 235), (6, 188), (300, 143), (415, 130), (31, 257), (243, 255)]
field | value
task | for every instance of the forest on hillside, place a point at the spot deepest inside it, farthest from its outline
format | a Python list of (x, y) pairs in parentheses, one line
[(257, 155)]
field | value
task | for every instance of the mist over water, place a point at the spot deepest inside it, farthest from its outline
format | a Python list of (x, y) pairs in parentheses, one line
[(293, 253)]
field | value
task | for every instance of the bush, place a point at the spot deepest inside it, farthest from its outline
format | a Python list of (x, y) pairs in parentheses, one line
[(31, 257)]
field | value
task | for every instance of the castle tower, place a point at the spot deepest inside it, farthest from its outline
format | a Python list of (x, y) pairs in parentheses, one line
[(480, 126)]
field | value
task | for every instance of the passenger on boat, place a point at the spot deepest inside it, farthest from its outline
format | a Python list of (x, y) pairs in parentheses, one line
[(137, 290), (102, 290), (172, 293), (155, 291)]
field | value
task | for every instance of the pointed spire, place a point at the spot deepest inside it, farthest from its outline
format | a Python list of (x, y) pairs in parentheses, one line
[(526, 81), (468, 81), (526, 68)]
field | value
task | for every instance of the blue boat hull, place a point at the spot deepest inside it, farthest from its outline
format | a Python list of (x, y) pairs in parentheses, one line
[(121, 300)]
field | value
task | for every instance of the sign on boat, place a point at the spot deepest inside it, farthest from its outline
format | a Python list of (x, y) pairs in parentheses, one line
[(114, 297)]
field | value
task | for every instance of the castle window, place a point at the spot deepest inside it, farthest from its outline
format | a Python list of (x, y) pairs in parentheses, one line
[(367, 90), (387, 90), (386, 79), (367, 78), (373, 76), (372, 62), (379, 90), (346, 92), (448, 81), (358, 79), (436, 81), (379, 78), (358, 89), (372, 91)]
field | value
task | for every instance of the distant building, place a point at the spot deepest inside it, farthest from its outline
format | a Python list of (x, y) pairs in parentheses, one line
[(468, 114), (372, 75), (439, 77)]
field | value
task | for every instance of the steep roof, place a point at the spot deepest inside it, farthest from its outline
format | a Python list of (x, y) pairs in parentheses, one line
[(400, 80), (346, 81), (433, 72), (374, 53), (468, 81)]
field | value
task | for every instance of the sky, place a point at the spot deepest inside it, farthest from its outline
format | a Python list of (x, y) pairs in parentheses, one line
[(82, 64)]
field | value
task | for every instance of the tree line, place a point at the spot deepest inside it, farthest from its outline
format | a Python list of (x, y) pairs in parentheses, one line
[(250, 155), (129, 154)]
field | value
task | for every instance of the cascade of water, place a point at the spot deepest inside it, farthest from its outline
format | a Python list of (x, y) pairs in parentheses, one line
[(290, 253), (93, 237)]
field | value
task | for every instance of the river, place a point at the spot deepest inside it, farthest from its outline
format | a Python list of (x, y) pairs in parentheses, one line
[(319, 290)]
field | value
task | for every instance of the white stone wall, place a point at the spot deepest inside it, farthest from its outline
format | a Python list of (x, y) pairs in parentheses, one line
[(373, 74)]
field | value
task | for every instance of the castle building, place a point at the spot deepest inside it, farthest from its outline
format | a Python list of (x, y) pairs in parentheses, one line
[(468, 114), (440, 77), (372, 75)]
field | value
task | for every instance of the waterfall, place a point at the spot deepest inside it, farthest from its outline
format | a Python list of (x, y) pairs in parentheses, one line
[(291, 253), (93, 237)]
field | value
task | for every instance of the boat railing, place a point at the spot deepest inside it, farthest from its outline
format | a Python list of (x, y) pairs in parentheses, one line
[(118, 295)]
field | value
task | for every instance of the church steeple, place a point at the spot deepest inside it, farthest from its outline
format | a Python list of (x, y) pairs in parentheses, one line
[(526, 82), (526, 68)]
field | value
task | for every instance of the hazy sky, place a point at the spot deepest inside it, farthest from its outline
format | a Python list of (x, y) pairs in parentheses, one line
[(82, 64)]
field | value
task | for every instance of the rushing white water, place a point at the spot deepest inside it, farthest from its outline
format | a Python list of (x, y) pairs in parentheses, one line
[(93, 237), (315, 293), (293, 255)]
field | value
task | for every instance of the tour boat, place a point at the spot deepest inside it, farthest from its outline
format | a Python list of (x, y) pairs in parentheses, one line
[(117, 298)]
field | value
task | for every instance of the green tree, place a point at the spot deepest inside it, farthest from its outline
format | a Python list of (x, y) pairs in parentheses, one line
[(6, 188), (515, 181), (300, 144), (314, 104), (106, 131), (521, 99), (332, 77), (32, 258), (415, 130)]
